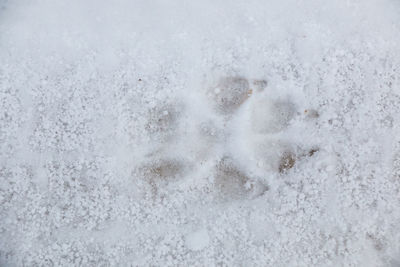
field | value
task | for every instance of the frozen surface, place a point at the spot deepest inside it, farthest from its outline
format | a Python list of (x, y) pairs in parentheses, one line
[(200, 133)]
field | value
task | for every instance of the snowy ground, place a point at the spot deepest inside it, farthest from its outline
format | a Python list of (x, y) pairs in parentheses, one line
[(200, 133)]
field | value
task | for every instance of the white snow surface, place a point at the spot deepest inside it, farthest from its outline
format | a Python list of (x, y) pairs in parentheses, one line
[(200, 133)]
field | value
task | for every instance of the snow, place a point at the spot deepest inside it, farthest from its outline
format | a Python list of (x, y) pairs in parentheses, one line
[(197, 240), (199, 133)]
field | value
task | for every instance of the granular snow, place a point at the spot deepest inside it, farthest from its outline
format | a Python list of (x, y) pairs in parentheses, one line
[(199, 133)]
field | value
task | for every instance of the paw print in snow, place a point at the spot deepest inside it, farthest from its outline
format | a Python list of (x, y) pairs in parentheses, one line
[(259, 131), (160, 172), (229, 94)]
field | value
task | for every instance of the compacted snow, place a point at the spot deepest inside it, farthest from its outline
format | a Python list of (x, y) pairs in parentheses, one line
[(200, 133)]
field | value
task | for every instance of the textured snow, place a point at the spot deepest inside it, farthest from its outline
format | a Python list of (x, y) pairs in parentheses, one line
[(197, 240), (200, 133)]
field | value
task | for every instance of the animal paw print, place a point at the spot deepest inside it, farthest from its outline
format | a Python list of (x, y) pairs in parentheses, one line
[(261, 123), (247, 127), (231, 92), (158, 173)]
